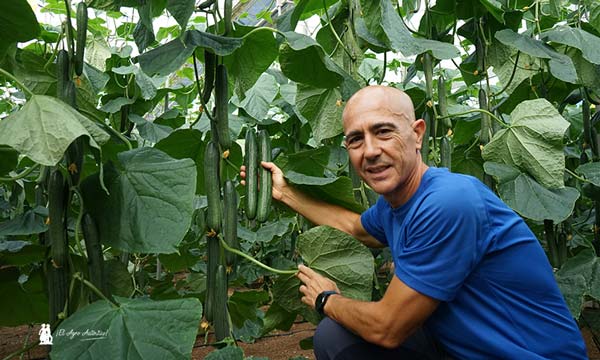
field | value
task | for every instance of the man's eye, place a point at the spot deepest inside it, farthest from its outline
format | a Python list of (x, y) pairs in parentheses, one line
[(384, 131)]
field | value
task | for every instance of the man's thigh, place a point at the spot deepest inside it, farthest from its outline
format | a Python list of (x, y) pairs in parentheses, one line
[(334, 342)]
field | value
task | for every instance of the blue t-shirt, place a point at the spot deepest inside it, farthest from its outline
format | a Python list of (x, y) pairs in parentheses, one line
[(455, 241)]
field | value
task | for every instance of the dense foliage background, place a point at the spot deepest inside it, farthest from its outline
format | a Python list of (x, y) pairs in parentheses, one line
[(509, 89)]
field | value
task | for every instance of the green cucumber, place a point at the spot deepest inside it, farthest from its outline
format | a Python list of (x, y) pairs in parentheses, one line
[(230, 208), (251, 162), (222, 111), (57, 267), (443, 102), (63, 74), (57, 206), (486, 124), (212, 185), (446, 153), (265, 191), (213, 253), (82, 23), (221, 314), (210, 62), (428, 69), (93, 249), (227, 19), (74, 156)]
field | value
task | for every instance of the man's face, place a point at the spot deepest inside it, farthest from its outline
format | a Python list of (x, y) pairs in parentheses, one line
[(382, 147)]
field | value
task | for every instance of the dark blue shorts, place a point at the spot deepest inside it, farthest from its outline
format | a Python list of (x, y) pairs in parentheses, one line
[(334, 342)]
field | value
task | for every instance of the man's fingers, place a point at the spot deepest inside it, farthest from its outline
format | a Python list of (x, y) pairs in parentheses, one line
[(243, 182), (306, 270)]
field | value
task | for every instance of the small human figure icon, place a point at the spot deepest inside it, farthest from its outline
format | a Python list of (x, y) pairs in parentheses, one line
[(45, 335)]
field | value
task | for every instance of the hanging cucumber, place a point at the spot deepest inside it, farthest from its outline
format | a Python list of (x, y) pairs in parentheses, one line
[(230, 222), (443, 103), (212, 185), (57, 205), (63, 74), (210, 61), (486, 124), (74, 157), (227, 19), (446, 153), (251, 162), (213, 254), (222, 112), (82, 23), (221, 314), (57, 266), (265, 190), (93, 249)]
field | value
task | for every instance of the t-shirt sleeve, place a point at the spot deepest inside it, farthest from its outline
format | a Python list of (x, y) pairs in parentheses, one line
[(371, 220), (444, 241)]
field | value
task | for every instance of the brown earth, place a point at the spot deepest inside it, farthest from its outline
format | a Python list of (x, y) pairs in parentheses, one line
[(280, 345)]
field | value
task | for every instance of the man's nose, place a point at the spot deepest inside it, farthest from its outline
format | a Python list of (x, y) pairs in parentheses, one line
[(372, 148)]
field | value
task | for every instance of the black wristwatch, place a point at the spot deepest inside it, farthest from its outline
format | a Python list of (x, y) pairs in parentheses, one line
[(321, 300)]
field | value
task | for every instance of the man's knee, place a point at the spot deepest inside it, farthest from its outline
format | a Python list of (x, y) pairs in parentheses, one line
[(330, 338)]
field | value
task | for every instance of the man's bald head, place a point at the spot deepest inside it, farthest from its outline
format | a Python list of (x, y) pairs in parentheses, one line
[(383, 99)]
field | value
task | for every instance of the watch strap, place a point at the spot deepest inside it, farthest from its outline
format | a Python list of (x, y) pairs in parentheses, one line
[(321, 300)]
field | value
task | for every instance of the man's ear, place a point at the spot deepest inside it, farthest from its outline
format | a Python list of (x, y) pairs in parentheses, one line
[(419, 127)]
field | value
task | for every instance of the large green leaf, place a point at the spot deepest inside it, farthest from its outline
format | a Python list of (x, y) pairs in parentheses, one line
[(17, 23), (591, 171), (533, 142), (186, 143), (303, 60), (181, 10), (22, 303), (45, 126), (580, 277), (258, 99), (530, 199), (322, 108), (577, 38), (136, 329), (8, 160), (252, 59), (150, 205), (24, 224), (561, 65), (335, 255), (165, 59), (382, 20), (333, 190), (148, 130), (21, 253), (220, 45)]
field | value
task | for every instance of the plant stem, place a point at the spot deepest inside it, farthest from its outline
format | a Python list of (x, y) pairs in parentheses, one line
[(335, 34), (204, 109), (21, 175), (248, 257), (17, 82), (577, 176), (512, 75), (94, 289), (384, 67), (504, 125)]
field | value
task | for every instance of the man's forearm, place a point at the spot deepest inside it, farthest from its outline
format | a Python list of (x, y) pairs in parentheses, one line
[(323, 213)]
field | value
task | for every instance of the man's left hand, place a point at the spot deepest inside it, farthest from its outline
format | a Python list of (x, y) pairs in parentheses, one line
[(314, 284)]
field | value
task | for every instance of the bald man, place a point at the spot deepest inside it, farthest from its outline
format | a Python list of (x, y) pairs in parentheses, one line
[(471, 280)]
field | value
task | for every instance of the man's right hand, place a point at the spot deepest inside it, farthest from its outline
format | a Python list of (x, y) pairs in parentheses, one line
[(279, 183)]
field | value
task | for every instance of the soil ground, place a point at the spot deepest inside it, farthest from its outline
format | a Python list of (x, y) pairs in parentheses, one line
[(276, 346)]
